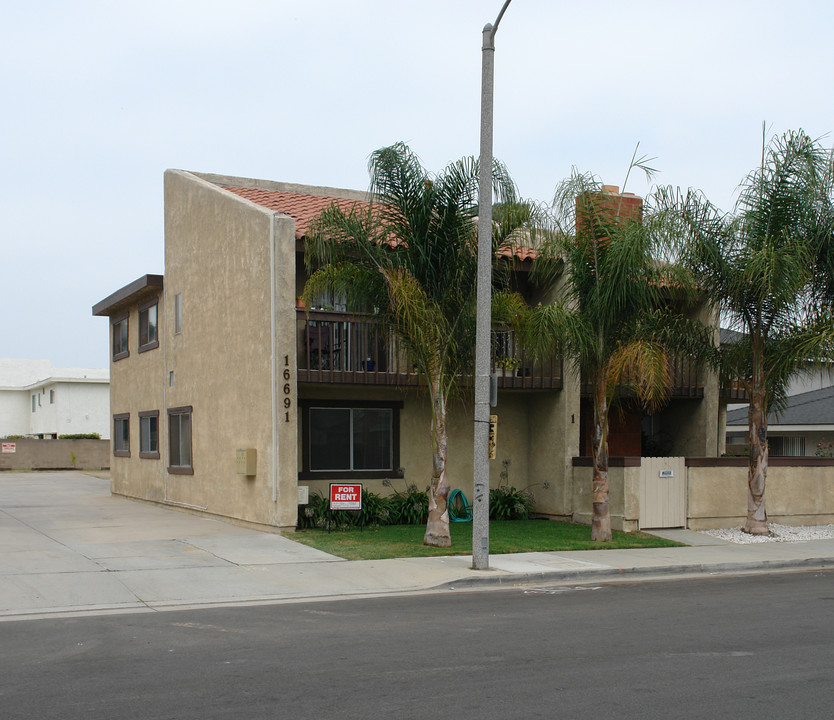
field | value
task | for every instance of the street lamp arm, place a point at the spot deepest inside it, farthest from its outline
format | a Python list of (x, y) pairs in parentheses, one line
[(490, 30)]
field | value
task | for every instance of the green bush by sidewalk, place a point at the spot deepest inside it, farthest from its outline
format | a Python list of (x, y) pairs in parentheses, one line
[(409, 507)]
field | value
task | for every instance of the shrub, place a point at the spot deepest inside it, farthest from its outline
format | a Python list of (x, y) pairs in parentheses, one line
[(507, 503), (402, 508), (80, 436), (375, 510), (410, 507)]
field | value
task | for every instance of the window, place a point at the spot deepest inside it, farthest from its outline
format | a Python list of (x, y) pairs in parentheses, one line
[(149, 434), (51, 397), (120, 349), (179, 441), (786, 446), (350, 439), (148, 338), (121, 435), (178, 313), (34, 405)]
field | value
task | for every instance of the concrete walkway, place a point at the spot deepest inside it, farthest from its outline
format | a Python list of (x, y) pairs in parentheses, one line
[(67, 546)]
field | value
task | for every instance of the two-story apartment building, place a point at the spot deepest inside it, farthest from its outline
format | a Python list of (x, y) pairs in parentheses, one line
[(226, 397), (41, 401)]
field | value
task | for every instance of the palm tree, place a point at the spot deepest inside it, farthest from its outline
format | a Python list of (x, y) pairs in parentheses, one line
[(411, 255), (613, 316), (766, 268)]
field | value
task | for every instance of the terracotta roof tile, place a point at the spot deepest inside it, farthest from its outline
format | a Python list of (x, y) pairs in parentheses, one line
[(304, 208), (301, 207), (519, 252)]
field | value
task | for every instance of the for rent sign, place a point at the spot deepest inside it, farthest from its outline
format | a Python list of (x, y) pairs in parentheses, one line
[(345, 497)]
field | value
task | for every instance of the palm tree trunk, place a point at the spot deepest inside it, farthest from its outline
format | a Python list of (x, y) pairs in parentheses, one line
[(437, 527), (757, 469), (601, 518)]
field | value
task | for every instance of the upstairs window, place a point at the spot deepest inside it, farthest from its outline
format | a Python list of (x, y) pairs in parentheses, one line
[(120, 334), (148, 338)]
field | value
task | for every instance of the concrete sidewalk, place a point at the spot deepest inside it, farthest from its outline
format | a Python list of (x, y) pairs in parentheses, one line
[(67, 546)]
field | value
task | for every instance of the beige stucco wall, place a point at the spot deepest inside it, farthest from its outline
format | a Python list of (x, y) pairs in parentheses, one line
[(623, 497), (137, 385), (553, 441), (512, 448), (233, 263), (794, 495), (56, 455)]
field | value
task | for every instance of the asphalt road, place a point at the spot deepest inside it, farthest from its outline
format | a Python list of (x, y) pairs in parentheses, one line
[(759, 646)]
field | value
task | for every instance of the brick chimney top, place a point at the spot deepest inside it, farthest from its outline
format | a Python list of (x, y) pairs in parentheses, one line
[(615, 190)]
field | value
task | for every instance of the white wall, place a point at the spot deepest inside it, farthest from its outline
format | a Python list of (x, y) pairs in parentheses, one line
[(78, 407), (80, 399), (14, 412)]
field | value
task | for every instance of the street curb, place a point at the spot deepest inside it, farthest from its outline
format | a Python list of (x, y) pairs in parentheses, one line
[(586, 576)]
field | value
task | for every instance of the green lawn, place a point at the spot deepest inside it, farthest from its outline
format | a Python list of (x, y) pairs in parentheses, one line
[(509, 536)]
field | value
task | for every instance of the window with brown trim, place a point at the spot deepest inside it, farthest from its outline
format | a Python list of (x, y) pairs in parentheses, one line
[(351, 439), (120, 337), (148, 326), (179, 441), (149, 434), (121, 435)]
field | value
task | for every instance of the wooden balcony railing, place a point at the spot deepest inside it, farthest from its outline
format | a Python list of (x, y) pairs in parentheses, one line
[(343, 348), (355, 349), (733, 391), (687, 379)]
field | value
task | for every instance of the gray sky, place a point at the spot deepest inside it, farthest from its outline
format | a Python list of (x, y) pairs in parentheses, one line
[(99, 98)]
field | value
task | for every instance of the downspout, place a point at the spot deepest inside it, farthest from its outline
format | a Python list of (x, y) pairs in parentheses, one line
[(163, 413), (274, 358)]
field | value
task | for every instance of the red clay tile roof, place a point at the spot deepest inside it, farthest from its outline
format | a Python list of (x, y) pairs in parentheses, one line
[(300, 207), (519, 252), (304, 208)]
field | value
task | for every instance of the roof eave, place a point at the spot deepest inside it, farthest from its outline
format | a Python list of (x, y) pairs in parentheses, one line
[(139, 289)]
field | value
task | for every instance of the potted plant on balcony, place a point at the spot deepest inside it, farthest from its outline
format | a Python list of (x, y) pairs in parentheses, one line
[(508, 364)]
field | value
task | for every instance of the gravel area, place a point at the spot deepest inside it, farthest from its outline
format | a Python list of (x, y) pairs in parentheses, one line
[(780, 533)]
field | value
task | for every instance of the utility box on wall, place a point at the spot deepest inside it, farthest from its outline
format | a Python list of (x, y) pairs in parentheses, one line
[(246, 462)]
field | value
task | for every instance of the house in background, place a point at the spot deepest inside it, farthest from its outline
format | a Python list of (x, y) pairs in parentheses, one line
[(226, 397), (38, 400), (807, 419), (805, 425)]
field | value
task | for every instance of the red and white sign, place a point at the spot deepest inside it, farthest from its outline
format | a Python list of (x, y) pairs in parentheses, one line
[(9, 448), (345, 497)]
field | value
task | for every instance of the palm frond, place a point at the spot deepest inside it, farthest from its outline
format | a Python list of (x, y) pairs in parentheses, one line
[(644, 366)]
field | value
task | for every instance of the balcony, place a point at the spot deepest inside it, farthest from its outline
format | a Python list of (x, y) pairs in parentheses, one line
[(733, 391), (357, 349), (686, 379)]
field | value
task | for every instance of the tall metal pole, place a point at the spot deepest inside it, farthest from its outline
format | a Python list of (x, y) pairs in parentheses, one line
[(480, 505)]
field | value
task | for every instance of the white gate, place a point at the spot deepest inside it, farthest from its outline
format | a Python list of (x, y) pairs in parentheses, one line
[(663, 492)]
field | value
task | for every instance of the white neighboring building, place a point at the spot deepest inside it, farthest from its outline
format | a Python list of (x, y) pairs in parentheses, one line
[(37, 400)]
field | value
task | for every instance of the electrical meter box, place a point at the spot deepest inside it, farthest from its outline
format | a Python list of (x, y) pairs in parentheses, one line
[(246, 461)]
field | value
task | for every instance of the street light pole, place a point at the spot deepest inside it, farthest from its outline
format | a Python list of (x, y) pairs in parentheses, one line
[(480, 495)]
